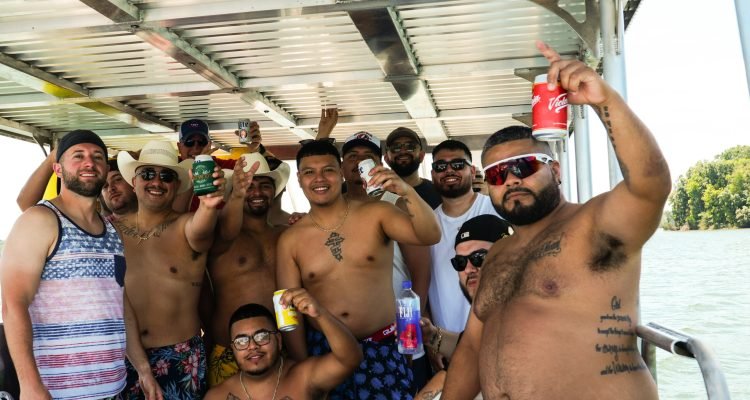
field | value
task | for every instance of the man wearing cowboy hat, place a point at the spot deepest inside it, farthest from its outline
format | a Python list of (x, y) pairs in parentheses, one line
[(166, 253), (243, 270)]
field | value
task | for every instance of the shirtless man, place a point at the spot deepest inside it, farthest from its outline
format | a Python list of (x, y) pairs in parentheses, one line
[(166, 255), (243, 271), (342, 252), (557, 306), (266, 373), (117, 194)]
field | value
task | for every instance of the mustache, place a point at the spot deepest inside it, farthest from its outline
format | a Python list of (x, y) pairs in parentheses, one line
[(516, 190)]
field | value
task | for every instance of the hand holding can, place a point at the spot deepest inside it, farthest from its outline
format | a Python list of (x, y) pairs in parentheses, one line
[(549, 111), (365, 166), (286, 315)]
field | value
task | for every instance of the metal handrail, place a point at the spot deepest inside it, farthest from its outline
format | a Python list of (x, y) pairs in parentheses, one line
[(685, 345)]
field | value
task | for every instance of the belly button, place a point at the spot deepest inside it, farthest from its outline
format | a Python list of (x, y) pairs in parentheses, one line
[(344, 315)]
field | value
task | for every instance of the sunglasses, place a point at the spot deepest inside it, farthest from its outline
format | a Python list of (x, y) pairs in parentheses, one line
[(308, 141), (261, 338), (193, 142), (521, 166), (457, 164), (476, 257), (165, 175), (408, 147)]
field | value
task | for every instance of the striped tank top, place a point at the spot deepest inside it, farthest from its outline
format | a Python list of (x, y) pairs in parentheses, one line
[(77, 314)]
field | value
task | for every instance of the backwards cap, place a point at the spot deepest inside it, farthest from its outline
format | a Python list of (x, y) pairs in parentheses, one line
[(79, 136)]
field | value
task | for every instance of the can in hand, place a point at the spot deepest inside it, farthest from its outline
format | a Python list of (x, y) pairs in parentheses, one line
[(243, 127), (286, 318), (203, 175), (365, 166), (549, 111)]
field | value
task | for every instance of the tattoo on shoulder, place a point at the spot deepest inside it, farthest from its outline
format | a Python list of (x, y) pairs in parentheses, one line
[(618, 326), (549, 248), (333, 243), (430, 395), (231, 396)]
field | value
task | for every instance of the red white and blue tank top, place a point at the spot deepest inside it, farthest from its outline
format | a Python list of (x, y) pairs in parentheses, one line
[(77, 314)]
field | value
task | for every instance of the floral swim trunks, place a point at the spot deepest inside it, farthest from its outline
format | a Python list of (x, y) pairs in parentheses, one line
[(180, 370)]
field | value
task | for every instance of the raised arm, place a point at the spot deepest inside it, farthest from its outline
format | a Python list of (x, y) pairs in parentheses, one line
[(462, 381), (199, 229), (230, 217), (632, 210), (327, 371), (137, 355), (288, 277), (418, 225), (328, 119), (29, 243), (33, 190)]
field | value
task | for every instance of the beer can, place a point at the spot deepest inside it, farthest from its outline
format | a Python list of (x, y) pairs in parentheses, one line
[(243, 130), (364, 171), (286, 318), (549, 111), (203, 175)]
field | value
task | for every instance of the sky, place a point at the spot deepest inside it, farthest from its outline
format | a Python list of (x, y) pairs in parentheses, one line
[(685, 80)]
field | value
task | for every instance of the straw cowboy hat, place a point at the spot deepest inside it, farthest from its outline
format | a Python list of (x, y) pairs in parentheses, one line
[(280, 175), (159, 154)]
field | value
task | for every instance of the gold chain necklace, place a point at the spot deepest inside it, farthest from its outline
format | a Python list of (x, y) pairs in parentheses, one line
[(346, 214), (148, 235), (278, 379)]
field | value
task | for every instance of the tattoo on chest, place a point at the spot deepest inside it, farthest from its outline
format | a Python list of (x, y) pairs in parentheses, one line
[(132, 231), (333, 243), (231, 396), (549, 248), (616, 325)]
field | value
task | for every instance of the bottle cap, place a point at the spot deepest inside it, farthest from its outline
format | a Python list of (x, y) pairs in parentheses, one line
[(406, 285)]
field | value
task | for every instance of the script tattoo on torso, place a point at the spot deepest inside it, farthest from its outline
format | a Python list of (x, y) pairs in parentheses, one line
[(334, 244), (613, 325)]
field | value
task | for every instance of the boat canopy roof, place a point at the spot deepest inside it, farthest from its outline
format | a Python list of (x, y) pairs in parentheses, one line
[(133, 70)]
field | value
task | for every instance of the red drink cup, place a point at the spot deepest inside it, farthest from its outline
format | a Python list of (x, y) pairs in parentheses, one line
[(549, 111)]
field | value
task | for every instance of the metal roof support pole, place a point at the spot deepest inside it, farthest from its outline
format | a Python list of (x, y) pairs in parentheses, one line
[(613, 41), (743, 21), (563, 156), (583, 153)]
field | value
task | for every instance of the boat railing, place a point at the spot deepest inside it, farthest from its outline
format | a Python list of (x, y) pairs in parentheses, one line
[(684, 345)]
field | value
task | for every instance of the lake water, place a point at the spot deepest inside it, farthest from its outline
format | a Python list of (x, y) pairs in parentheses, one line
[(698, 282)]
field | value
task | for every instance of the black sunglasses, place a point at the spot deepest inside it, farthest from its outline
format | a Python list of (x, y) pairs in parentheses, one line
[(192, 142), (476, 257), (165, 175), (261, 338), (308, 141), (457, 164)]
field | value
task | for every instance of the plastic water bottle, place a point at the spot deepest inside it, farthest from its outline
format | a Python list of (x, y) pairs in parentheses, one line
[(407, 321)]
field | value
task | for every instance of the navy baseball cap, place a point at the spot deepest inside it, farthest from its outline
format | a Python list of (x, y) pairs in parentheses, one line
[(193, 126)]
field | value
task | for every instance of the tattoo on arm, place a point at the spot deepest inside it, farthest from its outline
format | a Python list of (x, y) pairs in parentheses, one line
[(617, 330), (430, 395), (333, 243), (604, 112)]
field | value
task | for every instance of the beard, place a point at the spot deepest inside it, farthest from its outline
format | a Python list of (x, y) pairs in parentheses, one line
[(75, 185), (257, 210), (518, 214), (465, 290), (453, 191), (403, 170), (263, 371)]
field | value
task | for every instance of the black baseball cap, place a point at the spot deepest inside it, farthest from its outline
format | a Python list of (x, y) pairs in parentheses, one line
[(486, 227), (79, 136), (193, 126)]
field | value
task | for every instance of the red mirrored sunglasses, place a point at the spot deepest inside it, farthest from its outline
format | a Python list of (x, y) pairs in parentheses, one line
[(521, 166)]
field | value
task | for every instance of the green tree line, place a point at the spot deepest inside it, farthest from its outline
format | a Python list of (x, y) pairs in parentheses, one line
[(713, 194)]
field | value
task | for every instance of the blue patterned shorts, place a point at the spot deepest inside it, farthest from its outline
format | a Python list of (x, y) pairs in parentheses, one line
[(384, 374), (180, 370)]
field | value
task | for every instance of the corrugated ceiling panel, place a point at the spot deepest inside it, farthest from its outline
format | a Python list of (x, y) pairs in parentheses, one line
[(478, 92), (220, 107), (62, 118), (352, 98), (478, 126), (283, 46)]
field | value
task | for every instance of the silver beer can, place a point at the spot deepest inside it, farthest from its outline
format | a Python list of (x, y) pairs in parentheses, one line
[(364, 171)]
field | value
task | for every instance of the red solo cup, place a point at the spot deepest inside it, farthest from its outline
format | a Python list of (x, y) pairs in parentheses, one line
[(549, 111)]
